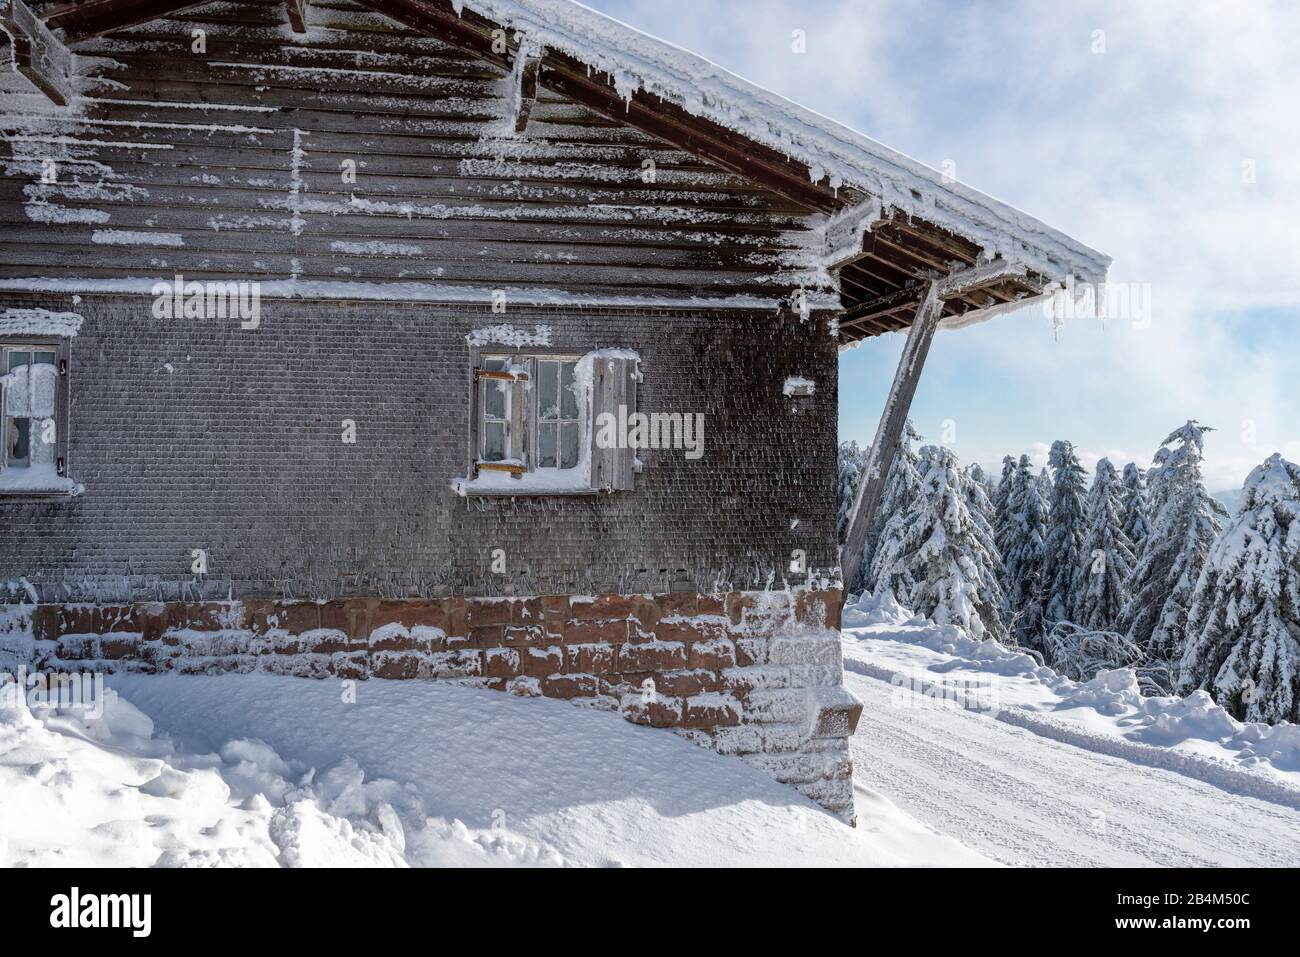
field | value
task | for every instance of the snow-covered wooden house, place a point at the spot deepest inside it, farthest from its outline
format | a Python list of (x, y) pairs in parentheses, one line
[(488, 340)]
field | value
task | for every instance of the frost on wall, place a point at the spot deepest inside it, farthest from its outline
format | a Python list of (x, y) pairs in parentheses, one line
[(39, 322)]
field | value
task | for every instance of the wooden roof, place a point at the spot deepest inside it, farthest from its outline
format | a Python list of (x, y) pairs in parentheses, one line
[(882, 284)]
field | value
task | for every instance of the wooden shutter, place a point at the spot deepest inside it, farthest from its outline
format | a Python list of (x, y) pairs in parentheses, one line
[(614, 381)]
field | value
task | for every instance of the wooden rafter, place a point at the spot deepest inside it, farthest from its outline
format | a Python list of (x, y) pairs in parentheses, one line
[(297, 14), (80, 21), (37, 53)]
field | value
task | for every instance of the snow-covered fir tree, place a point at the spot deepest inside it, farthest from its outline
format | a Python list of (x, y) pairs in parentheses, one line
[(1045, 486), (881, 549), (1136, 506), (949, 554), (1184, 527), (1003, 491), (1243, 629), (1101, 579), (1063, 549), (979, 495), (851, 460), (1022, 534)]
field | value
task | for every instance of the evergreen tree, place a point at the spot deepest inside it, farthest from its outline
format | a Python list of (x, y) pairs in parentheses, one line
[(1101, 579), (1243, 630), (851, 460), (1003, 491), (1063, 549), (1136, 506), (1045, 486), (949, 553), (1023, 533), (1184, 528), (883, 539)]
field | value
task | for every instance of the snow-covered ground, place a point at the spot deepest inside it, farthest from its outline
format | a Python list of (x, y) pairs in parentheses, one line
[(264, 770), (1028, 767)]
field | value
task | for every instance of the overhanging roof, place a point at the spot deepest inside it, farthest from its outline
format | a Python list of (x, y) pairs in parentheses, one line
[(889, 223)]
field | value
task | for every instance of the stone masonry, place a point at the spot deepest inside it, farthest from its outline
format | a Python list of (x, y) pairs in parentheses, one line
[(751, 674)]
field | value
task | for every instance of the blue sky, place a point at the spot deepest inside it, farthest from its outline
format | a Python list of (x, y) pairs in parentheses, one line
[(1162, 132)]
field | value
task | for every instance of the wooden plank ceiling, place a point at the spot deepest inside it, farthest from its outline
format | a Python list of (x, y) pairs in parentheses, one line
[(881, 287)]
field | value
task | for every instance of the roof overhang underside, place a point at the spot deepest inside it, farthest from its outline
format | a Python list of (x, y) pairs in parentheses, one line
[(890, 224)]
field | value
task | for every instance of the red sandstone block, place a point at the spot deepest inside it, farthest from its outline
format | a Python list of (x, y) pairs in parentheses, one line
[(654, 710), (712, 605), (324, 641), (714, 655), (555, 611), (523, 636), (684, 683), (298, 616), (119, 647), (751, 651), (678, 604), (526, 611), (603, 606), (397, 637), (76, 619), (486, 636), (597, 658), (108, 618), (45, 622), (588, 631), (487, 611), (711, 710), (539, 662), (570, 686), (429, 614), (645, 612), (690, 629), (354, 665), (395, 664), (652, 656), (502, 663)]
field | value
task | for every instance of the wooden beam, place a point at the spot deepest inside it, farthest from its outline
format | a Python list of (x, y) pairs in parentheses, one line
[(875, 473), (595, 90), (297, 15), (80, 21), (38, 54)]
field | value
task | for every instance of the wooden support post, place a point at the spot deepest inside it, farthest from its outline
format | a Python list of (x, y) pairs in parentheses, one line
[(38, 54), (871, 486), (297, 15)]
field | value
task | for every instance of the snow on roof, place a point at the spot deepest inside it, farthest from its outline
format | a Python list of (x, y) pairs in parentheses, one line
[(638, 61)]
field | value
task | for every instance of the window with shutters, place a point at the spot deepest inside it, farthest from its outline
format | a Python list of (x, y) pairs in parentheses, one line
[(531, 422), (33, 403)]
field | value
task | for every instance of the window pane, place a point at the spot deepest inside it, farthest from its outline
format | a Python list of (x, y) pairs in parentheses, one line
[(568, 445), (494, 441), (494, 398), (548, 405), (546, 445), (46, 357), (17, 440), (568, 400), (17, 359)]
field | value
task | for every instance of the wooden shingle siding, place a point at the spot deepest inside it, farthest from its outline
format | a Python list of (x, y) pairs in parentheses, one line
[(185, 163)]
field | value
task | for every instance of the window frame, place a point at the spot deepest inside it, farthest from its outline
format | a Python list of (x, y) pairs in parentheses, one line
[(61, 346), (525, 421)]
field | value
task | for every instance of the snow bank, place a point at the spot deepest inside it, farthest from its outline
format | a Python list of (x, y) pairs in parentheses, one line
[(264, 770), (39, 322), (883, 640)]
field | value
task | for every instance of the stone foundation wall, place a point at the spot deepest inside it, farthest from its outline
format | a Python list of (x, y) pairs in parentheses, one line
[(752, 674)]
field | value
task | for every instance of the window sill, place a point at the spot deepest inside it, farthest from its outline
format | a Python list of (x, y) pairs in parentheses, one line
[(531, 484), (37, 482)]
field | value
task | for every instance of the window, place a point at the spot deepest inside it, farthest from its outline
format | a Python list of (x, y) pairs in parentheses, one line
[(529, 418), (531, 422), (33, 459)]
